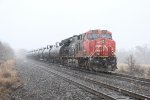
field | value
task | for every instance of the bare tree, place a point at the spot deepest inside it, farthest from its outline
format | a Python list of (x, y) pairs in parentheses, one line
[(130, 60), (134, 69)]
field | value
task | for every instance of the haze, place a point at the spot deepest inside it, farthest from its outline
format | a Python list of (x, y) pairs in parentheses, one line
[(36, 23)]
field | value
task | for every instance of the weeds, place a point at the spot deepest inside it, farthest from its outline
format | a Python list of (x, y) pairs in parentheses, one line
[(8, 77), (137, 70)]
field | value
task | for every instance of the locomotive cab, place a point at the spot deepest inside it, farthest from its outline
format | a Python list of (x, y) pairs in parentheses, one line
[(99, 47)]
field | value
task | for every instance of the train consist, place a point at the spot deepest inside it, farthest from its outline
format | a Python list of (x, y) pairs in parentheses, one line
[(92, 50)]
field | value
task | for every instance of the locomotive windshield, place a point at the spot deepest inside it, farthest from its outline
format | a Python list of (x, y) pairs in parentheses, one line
[(106, 35), (93, 36)]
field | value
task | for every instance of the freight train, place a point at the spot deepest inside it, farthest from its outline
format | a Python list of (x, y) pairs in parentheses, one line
[(93, 50)]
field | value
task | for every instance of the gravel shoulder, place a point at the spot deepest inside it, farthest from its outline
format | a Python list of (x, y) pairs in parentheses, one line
[(41, 85)]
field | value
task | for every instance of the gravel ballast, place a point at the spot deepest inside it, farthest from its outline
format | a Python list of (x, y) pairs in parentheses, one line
[(41, 85), (135, 87)]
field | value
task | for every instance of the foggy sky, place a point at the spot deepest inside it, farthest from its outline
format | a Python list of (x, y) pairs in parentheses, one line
[(36, 23)]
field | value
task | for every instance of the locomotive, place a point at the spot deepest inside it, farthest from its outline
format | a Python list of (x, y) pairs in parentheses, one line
[(92, 50)]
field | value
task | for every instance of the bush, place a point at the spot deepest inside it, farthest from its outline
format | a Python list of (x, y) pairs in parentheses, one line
[(8, 76)]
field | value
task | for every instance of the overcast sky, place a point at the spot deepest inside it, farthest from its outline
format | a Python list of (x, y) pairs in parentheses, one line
[(36, 23)]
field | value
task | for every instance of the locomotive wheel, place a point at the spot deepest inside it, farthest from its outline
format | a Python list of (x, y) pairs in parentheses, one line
[(90, 68), (81, 63), (64, 62), (86, 64)]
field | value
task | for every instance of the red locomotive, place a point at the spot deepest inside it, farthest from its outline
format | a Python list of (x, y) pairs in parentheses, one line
[(93, 50)]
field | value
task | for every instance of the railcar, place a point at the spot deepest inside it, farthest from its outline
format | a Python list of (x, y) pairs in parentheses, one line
[(46, 53)]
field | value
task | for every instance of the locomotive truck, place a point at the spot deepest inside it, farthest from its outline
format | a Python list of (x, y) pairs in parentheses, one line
[(92, 50)]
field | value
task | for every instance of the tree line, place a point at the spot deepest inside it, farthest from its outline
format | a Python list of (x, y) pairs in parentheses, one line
[(6, 52), (141, 54)]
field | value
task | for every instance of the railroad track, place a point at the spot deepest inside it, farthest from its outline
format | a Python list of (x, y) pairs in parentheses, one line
[(89, 89), (133, 79), (128, 78), (113, 94), (142, 81), (118, 89)]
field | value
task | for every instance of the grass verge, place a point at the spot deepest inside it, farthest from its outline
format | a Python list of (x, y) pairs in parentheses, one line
[(8, 77), (138, 70)]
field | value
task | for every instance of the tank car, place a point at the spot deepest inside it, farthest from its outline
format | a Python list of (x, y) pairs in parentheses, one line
[(54, 55), (40, 53), (35, 54), (46, 53)]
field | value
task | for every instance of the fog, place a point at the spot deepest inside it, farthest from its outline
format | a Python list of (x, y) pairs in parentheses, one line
[(6, 52), (32, 24), (141, 54)]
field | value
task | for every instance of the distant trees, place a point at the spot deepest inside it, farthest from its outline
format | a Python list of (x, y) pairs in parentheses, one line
[(134, 61), (6, 52), (132, 68), (140, 53), (21, 53)]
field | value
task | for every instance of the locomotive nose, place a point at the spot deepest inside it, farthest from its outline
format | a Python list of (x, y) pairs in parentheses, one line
[(103, 48), (97, 49), (100, 48), (102, 51)]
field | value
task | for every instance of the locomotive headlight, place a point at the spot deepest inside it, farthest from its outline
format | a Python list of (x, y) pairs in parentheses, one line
[(103, 41)]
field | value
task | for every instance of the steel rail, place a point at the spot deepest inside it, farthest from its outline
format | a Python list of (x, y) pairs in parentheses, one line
[(146, 80), (118, 89), (142, 81)]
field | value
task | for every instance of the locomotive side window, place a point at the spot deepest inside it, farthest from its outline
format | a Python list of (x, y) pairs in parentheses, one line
[(93, 36), (106, 35)]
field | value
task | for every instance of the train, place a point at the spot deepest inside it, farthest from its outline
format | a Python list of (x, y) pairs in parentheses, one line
[(93, 50)]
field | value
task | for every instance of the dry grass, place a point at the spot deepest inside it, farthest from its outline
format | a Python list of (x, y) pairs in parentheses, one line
[(138, 70), (8, 77)]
